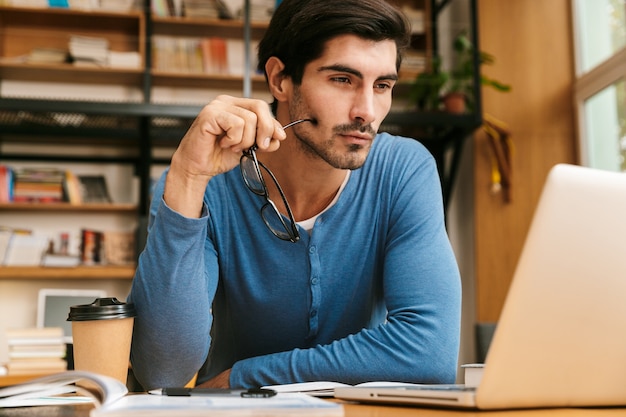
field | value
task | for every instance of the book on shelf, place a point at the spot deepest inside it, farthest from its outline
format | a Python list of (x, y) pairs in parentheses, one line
[(48, 56), (39, 4), (22, 247), (52, 185), (92, 247), (25, 248), (83, 4), (205, 9), (60, 260), (209, 55), (88, 50), (124, 59), (119, 247), (94, 189), (72, 188), (117, 5), (6, 184), (5, 239), (111, 399), (38, 185), (63, 4)]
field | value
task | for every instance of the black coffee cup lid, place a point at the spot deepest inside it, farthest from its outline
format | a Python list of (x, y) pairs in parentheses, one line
[(102, 309)]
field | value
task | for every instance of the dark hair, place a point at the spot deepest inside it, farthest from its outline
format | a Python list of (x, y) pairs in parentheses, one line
[(300, 29)]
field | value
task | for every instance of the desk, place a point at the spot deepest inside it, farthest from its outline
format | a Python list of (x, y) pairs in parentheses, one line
[(352, 410)]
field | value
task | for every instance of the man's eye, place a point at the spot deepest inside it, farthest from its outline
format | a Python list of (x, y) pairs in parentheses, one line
[(343, 80)]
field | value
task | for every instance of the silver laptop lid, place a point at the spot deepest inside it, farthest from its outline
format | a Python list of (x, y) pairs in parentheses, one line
[(561, 337)]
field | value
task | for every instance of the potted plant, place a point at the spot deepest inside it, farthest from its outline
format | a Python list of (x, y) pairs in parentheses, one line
[(459, 92), (454, 90), (425, 90)]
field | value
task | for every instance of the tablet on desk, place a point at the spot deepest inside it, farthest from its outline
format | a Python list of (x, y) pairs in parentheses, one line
[(53, 306)]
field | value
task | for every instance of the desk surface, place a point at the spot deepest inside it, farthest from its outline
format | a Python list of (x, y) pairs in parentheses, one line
[(352, 410)]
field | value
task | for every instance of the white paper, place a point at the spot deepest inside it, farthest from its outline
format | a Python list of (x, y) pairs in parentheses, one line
[(161, 405)]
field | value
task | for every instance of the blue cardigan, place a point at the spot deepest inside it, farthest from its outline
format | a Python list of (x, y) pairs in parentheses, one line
[(373, 293)]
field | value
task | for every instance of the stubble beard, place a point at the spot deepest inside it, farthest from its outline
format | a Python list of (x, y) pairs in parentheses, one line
[(352, 157)]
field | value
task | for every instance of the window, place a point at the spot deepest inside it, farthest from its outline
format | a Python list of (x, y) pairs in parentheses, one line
[(600, 91)]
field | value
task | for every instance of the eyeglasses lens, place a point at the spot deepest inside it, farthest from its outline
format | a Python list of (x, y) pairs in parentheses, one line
[(252, 176), (274, 221)]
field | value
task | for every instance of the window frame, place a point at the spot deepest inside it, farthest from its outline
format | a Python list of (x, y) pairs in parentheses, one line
[(591, 82)]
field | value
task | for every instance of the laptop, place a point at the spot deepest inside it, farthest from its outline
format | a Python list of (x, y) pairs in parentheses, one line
[(561, 337), (53, 306)]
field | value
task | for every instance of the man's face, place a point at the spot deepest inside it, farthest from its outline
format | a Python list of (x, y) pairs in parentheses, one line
[(348, 91)]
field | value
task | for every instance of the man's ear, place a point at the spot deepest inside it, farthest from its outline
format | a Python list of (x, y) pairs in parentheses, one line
[(278, 83)]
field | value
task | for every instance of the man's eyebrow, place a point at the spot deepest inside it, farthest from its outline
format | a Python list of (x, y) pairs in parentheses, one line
[(356, 73)]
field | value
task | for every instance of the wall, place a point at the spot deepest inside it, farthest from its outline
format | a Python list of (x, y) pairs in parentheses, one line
[(532, 43)]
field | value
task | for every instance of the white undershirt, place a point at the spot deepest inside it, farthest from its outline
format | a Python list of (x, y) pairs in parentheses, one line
[(309, 223)]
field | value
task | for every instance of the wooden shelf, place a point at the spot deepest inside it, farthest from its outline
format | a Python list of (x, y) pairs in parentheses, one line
[(61, 11), (24, 29), (68, 73), (85, 208), (78, 272), (193, 80)]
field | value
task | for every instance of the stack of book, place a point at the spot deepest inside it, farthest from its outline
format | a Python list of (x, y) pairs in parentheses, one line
[(47, 56), (36, 351), (201, 9), (51, 185), (86, 50), (43, 185)]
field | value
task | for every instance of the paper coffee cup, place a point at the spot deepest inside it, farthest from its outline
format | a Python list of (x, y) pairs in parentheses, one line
[(102, 333)]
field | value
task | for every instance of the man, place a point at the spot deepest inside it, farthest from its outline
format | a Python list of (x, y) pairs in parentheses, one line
[(365, 287)]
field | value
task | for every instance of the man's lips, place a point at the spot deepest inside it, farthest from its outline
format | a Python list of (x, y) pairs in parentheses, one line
[(357, 136)]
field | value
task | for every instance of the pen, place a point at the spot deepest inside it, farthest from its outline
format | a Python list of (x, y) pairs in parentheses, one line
[(218, 392)]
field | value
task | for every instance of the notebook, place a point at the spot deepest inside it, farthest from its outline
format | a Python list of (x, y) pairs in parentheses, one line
[(561, 336)]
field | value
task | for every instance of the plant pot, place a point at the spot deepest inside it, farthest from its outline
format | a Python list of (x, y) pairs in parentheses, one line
[(454, 102)]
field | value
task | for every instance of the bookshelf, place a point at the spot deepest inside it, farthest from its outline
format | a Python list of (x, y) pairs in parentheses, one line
[(22, 30), (139, 124), (141, 121)]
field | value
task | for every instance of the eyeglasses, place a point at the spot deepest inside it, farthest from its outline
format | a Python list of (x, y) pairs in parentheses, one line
[(253, 178)]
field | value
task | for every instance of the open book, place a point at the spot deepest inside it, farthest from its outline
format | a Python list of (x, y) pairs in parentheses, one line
[(54, 389), (111, 399)]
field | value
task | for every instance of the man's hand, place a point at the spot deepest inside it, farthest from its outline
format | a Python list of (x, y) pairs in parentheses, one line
[(213, 145), (220, 381)]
